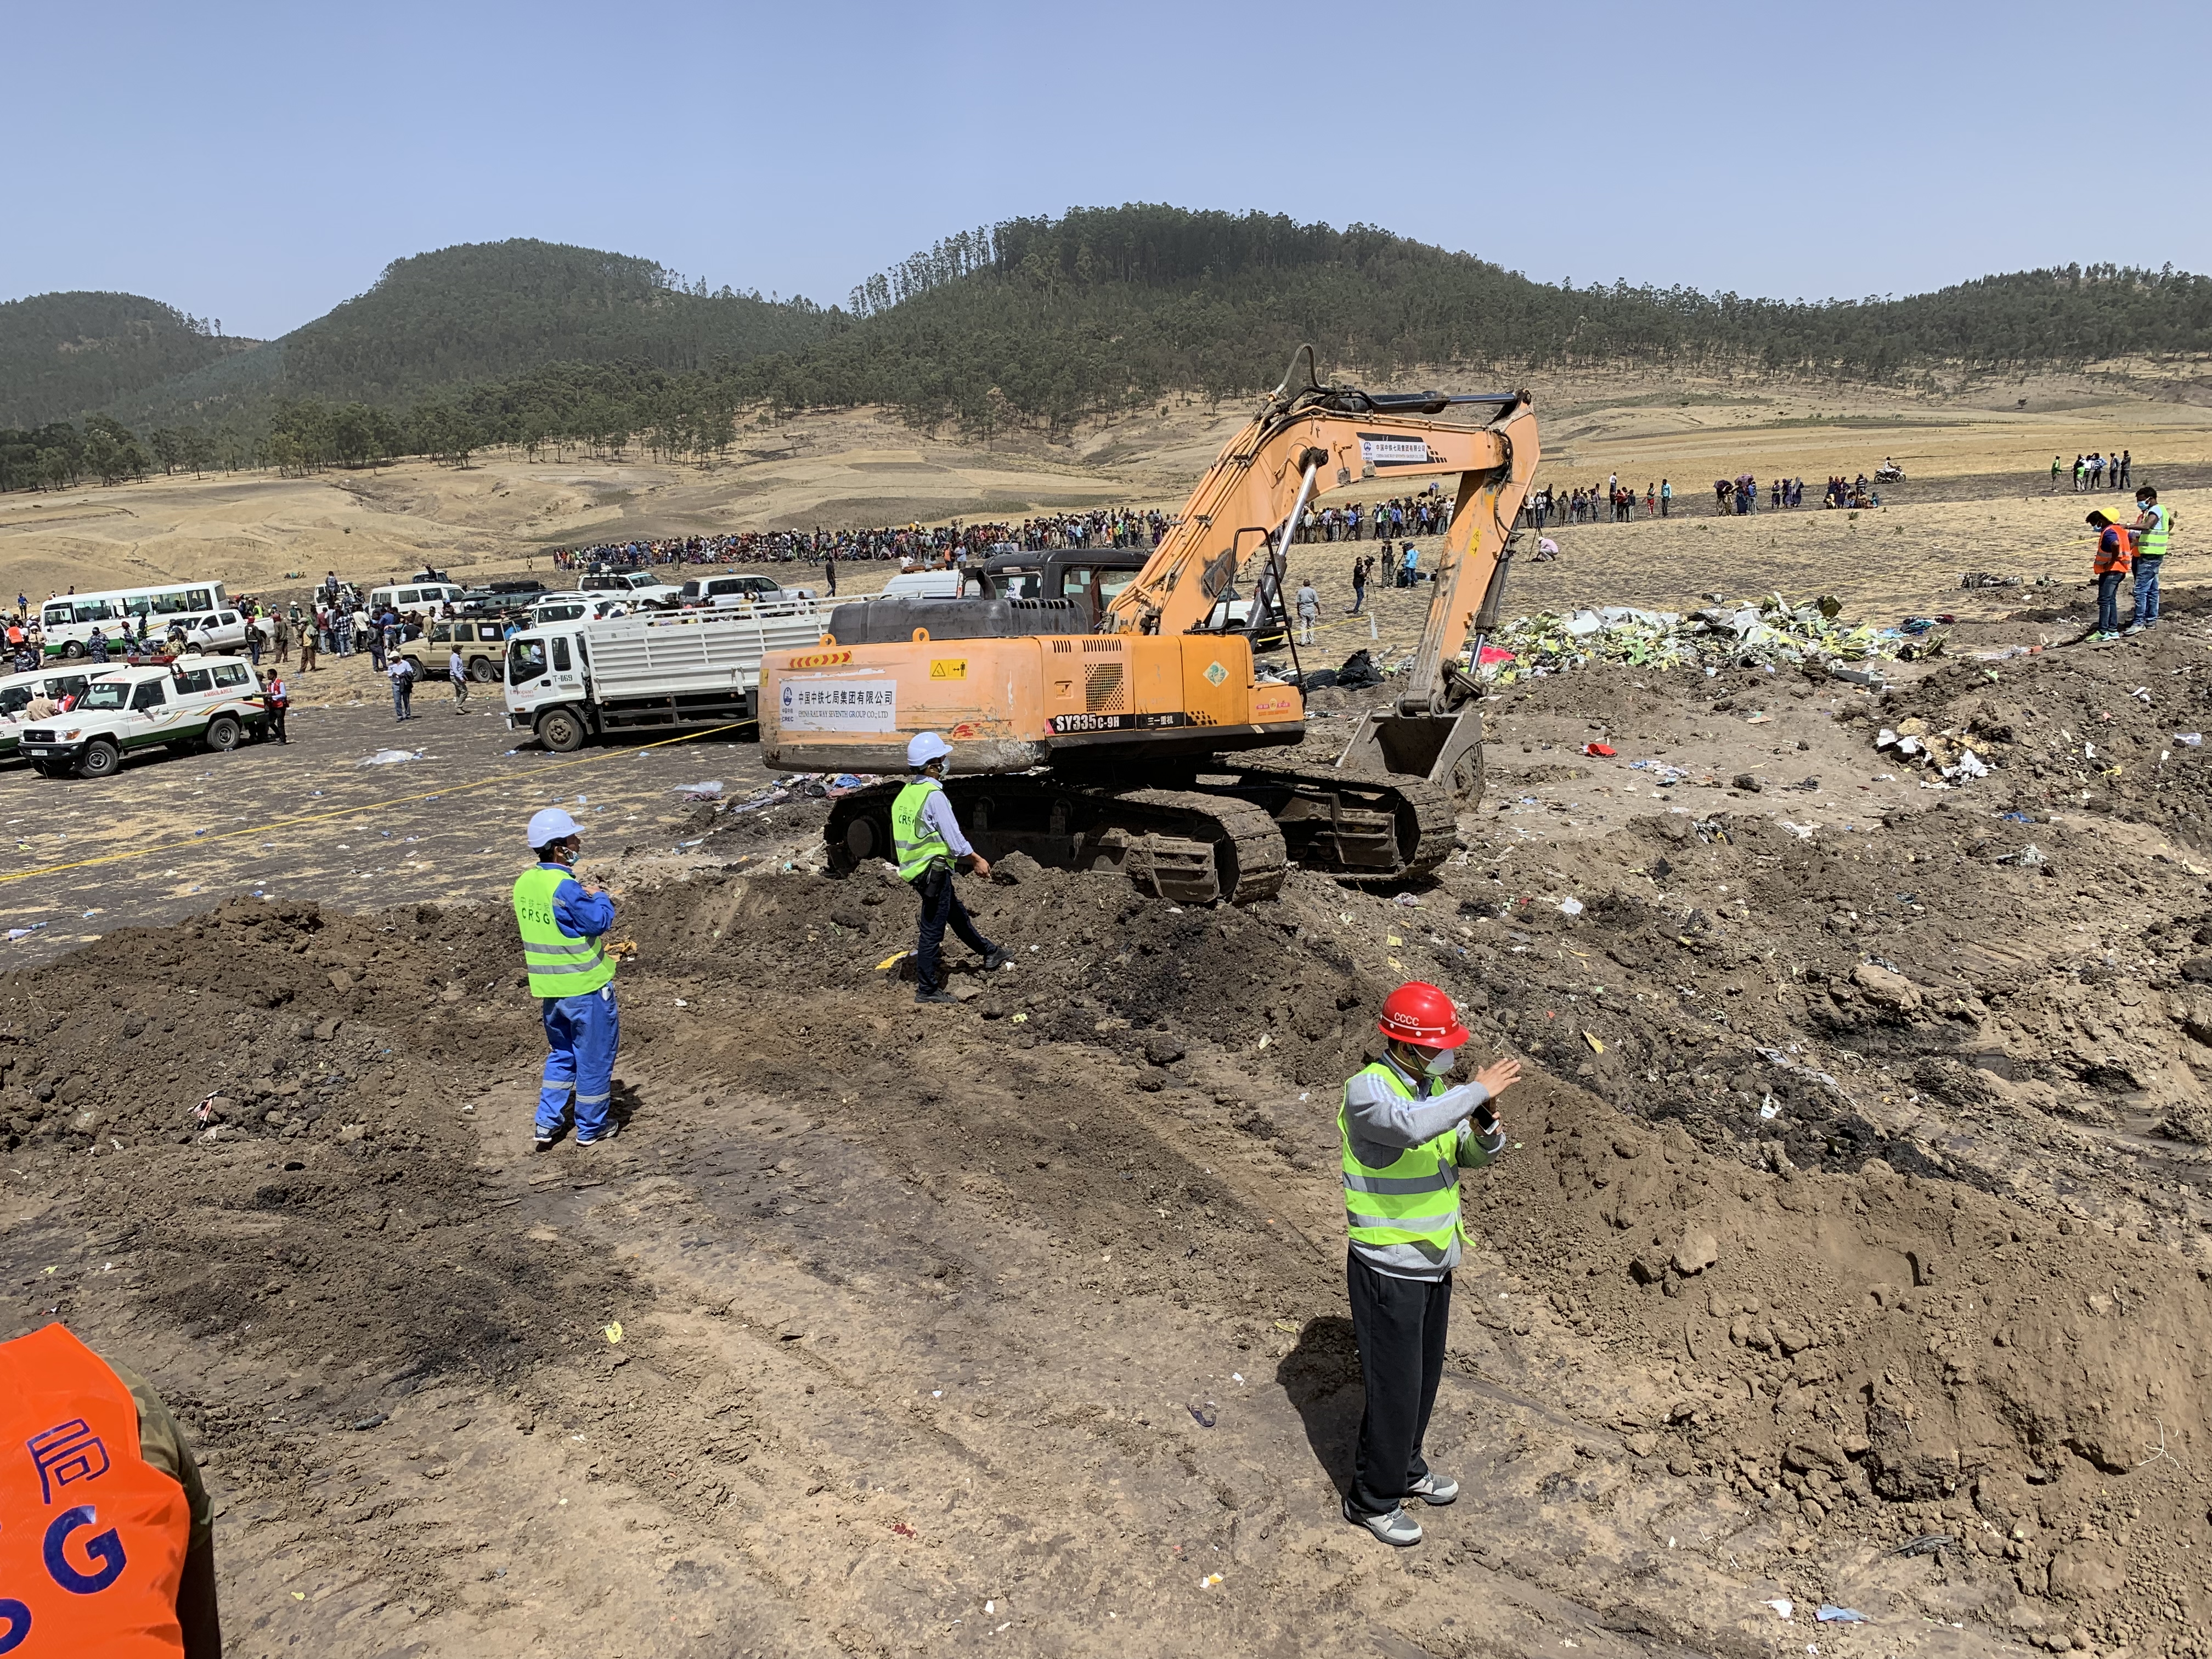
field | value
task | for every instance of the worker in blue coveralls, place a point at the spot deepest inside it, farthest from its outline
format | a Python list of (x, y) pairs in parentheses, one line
[(573, 978)]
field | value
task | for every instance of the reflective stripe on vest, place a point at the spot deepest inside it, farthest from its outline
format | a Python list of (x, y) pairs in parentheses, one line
[(2152, 543), (1413, 1200), (916, 844), (561, 964), (94, 1545)]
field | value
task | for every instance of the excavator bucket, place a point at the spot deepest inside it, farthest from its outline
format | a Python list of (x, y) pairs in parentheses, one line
[(1445, 749)]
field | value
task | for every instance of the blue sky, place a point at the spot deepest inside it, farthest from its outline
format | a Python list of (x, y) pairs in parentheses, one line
[(262, 164)]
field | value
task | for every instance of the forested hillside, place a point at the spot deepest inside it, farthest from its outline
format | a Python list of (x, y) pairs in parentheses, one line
[(62, 354), (1033, 322)]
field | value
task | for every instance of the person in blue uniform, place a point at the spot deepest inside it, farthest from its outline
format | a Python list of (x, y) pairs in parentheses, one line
[(564, 926)]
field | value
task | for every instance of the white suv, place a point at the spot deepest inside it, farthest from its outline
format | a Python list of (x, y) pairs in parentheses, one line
[(194, 701)]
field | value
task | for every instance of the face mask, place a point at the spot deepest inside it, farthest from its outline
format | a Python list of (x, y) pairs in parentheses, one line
[(1442, 1061)]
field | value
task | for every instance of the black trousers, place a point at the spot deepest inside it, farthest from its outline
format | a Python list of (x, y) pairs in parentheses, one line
[(1400, 1325), (940, 907)]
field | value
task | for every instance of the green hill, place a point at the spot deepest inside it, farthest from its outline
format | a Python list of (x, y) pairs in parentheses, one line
[(1052, 319), (483, 313), (1032, 321), (62, 354)]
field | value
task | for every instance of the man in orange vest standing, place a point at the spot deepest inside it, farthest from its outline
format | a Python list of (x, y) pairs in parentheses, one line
[(1407, 1133), (2115, 556), (106, 1546)]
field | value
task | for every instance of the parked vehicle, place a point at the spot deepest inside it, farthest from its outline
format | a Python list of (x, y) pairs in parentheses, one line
[(748, 588), (17, 691), (634, 586), (569, 682), (65, 622), (483, 646), (575, 607), (426, 597), (217, 631), (214, 701)]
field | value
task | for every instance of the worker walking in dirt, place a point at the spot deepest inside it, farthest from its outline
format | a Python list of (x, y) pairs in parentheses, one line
[(1406, 1134), (925, 836), (2116, 552), (110, 1538), (571, 975), (2153, 532)]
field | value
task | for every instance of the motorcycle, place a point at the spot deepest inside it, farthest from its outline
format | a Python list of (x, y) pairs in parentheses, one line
[(1889, 472)]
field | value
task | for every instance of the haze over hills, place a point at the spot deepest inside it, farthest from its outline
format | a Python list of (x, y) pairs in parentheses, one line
[(1034, 322)]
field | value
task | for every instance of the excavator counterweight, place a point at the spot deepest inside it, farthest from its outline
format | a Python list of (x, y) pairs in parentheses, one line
[(1135, 732)]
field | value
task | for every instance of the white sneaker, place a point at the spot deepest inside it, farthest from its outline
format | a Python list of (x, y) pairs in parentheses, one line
[(1434, 1488), (1396, 1528)]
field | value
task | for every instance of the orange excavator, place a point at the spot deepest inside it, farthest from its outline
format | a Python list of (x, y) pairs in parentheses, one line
[(1101, 716)]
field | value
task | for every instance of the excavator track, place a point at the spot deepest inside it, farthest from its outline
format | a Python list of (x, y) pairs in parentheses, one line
[(1191, 845), (1230, 841), (1363, 829)]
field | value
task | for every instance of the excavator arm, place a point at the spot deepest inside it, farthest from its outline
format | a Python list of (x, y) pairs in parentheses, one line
[(1310, 436)]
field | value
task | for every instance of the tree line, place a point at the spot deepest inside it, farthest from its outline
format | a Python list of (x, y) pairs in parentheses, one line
[(1036, 322)]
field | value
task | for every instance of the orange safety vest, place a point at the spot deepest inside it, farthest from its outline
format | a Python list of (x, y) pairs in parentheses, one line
[(2122, 560), (93, 1545)]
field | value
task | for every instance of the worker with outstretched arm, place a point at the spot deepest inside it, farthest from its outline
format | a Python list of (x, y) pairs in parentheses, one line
[(926, 836), (107, 1545), (1407, 1132), (571, 975)]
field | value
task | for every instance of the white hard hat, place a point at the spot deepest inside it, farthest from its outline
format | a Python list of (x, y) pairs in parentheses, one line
[(925, 747), (550, 824)]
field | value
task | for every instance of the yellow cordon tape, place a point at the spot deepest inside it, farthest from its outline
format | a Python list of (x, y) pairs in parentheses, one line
[(350, 811)]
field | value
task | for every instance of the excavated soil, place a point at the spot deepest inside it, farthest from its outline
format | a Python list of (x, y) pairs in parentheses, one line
[(1851, 1247)]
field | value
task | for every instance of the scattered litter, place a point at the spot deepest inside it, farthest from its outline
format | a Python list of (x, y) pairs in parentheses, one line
[(2191, 739), (1596, 1047), (1782, 1605), (1209, 1581), (1604, 750), (1572, 907), (1407, 901), (613, 1331), (712, 791), (1829, 1615), (391, 757), (1984, 579), (1927, 1544), (1206, 1417), (2006, 653), (15, 934)]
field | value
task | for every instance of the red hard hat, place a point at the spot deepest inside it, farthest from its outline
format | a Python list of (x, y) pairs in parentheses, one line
[(1418, 1013)]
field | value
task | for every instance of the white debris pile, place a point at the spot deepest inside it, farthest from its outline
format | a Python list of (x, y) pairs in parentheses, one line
[(1766, 633)]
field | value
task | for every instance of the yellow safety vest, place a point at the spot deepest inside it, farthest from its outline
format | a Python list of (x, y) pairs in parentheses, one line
[(561, 964), (2152, 543), (917, 845), (1413, 1198)]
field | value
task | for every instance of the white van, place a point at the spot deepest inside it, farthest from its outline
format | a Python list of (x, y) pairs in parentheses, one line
[(403, 596), (17, 690), (213, 700)]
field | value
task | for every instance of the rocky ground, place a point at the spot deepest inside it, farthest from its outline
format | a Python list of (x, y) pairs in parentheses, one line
[(1851, 1248)]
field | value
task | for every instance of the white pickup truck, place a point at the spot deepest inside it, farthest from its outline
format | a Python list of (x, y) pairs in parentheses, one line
[(571, 681), (633, 587), (195, 701)]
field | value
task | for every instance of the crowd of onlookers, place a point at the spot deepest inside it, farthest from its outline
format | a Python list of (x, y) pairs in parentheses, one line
[(908, 544)]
